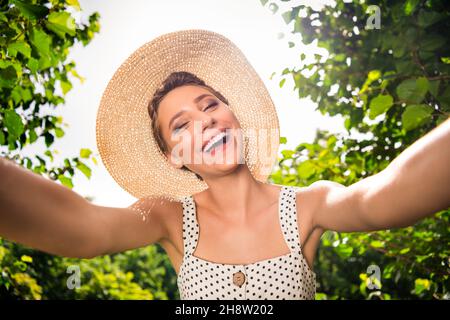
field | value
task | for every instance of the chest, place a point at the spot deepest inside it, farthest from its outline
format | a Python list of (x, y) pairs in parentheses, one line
[(270, 233), (282, 277), (240, 242)]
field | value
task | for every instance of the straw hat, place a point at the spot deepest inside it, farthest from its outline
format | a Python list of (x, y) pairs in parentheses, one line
[(123, 126)]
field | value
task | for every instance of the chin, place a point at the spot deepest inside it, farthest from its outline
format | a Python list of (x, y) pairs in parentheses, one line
[(219, 170)]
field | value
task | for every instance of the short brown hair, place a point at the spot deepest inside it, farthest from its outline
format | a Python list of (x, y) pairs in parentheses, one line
[(174, 80)]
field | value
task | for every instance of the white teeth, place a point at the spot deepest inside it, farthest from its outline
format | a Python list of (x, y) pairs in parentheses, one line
[(213, 141)]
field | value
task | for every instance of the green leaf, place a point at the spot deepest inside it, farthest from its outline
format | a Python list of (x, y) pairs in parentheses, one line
[(74, 3), (344, 251), (65, 181), (340, 57), (33, 65), (3, 17), (26, 258), (403, 66), (405, 250), (413, 90), (441, 118), (285, 71), (306, 169), (49, 154), (399, 49), (287, 153), (371, 77), (85, 153), (374, 75), (445, 60), (30, 11), (379, 105), (434, 87), (421, 285), (8, 76), (59, 132), (410, 6), (29, 163), (19, 46), (2, 138), (11, 63), (45, 62), (272, 75), (85, 169), (287, 16), (427, 18), (432, 42), (13, 123), (20, 265), (282, 82), (427, 56), (421, 258), (377, 244), (348, 123), (41, 161), (19, 94), (41, 41), (415, 116), (49, 139), (283, 140), (61, 23), (444, 98), (331, 141), (422, 84), (33, 135)]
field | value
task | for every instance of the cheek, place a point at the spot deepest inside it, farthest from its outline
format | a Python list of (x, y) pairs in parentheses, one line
[(230, 117), (181, 145)]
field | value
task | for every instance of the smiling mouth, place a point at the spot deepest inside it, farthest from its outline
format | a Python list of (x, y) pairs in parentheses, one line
[(217, 141)]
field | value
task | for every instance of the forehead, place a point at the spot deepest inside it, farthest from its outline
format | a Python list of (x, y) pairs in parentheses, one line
[(180, 98)]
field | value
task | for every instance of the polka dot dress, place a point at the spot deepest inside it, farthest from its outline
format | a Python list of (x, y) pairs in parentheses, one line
[(284, 277)]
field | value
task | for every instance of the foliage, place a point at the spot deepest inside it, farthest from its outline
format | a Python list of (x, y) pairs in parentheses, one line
[(34, 49), (140, 274), (36, 39), (391, 86)]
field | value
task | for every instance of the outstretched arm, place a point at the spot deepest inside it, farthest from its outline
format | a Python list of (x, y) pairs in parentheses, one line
[(415, 185), (45, 215)]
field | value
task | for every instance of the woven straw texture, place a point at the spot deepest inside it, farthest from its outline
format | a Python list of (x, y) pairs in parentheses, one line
[(123, 127)]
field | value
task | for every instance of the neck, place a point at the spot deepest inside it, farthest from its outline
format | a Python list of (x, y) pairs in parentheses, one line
[(233, 196)]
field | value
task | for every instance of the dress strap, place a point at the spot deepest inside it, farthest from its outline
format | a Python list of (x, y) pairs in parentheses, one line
[(288, 217), (190, 225)]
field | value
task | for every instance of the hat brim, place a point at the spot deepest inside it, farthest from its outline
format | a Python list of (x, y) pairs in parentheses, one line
[(123, 127)]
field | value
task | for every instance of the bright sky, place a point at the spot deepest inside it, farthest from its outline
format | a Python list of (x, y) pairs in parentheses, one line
[(125, 27)]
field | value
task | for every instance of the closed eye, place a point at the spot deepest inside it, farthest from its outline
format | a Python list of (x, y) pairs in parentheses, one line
[(214, 104), (180, 126), (211, 105)]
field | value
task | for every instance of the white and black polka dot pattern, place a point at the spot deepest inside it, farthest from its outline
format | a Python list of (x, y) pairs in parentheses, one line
[(285, 277)]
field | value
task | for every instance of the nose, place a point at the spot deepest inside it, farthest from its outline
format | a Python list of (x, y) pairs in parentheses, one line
[(207, 121)]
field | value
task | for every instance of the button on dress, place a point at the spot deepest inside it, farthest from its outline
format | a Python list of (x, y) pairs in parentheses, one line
[(286, 277)]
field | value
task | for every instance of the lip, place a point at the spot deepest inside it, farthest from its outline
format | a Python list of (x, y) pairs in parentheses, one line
[(211, 137)]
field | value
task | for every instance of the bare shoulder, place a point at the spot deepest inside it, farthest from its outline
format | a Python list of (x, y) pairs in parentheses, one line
[(310, 199), (317, 192), (316, 198)]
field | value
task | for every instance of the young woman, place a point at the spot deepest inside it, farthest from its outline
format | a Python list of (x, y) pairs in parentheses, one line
[(239, 237)]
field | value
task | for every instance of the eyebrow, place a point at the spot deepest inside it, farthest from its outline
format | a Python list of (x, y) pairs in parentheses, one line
[(179, 113)]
